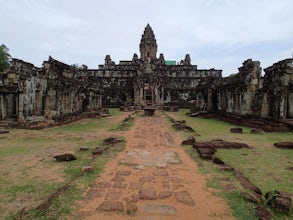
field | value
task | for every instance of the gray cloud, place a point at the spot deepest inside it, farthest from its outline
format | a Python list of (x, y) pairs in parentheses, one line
[(216, 33)]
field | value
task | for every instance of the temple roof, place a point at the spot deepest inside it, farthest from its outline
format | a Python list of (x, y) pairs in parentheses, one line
[(148, 35)]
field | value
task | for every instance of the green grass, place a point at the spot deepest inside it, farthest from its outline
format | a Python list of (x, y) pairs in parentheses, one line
[(24, 152), (90, 124), (265, 166)]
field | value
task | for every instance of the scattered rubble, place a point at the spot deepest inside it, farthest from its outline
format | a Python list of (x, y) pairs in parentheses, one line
[(236, 130), (181, 126), (190, 141), (66, 156), (284, 145)]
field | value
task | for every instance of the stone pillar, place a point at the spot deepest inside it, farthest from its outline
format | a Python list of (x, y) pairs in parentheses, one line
[(290, 105)]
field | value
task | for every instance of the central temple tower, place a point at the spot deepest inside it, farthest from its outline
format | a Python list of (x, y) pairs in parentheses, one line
[(148, 45)]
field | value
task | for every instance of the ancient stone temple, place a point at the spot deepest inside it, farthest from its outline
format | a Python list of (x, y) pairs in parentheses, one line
[(151, 81), (29, 94)]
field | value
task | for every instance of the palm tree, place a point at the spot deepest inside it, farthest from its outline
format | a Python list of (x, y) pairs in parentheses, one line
[(4, 58)]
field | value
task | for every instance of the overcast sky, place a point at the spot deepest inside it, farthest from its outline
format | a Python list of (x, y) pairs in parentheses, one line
[(217, 34)]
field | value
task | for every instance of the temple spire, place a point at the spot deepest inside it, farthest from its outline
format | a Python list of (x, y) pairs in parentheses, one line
[(148, 45)]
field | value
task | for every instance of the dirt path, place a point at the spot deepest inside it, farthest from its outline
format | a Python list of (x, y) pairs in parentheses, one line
[(153, 179)]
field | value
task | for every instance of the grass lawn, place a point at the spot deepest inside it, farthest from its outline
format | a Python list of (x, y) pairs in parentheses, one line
[(267, 167), (30, 174)]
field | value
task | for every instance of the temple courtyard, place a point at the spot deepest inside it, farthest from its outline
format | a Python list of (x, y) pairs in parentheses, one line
[(131, 166)]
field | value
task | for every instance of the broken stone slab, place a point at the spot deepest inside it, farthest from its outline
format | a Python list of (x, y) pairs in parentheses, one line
[(113, 140), (130, 208), (189, 141), (169, 154), (195, 114), (244, 181), (251, 198), (147, 194), (206, 156), (256, 131), (140, 167), (165, 194), (236, 130), (280, 200), (99, 150), (66, 156), (110, 206), (159, 209), (263, 213), (217, 160), (173, 161), (87, 169), (3, 132), (83, 148), (284, 145)]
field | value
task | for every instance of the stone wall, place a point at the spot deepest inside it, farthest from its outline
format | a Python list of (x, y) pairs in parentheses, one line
[(29, 94), (249, 95)]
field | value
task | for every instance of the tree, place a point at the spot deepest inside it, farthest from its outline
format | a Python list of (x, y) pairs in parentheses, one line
[(4, 58)]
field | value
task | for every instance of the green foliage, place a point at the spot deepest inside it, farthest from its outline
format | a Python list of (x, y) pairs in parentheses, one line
[(242, 210), (4, 58)]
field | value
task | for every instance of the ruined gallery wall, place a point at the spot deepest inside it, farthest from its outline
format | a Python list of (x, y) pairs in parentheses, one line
[(276, 93), (248, 94), (29, 94), (188, 85), (236, 94), (116, 83)]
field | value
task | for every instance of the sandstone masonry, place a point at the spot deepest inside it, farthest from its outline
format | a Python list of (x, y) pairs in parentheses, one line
[(29, 94)]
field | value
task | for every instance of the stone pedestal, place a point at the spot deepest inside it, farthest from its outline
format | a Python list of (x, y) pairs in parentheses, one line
[(149, 111)]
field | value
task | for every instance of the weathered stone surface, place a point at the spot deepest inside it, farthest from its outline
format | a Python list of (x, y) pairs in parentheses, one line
[(284, 145), (147, 179), (78, 91), (110, 206), (263, 213), (184, 197), (113, 140), (249, 197), (173, 161), (95, 193), (147, 194), (247, 184), (118, 179), (102, 185), (218, 161), (206, 156), (4, 131), (190, 141), (283, 203), (123, 173), (256, 131), (135, 185), (236, 130), (120, 185), (206, 150), (84, 148), (130, 208), (159, 209), (66, 156), (280, 200), (134, 198), (165, 194), (112, 195), (99, 150), (160, 173)]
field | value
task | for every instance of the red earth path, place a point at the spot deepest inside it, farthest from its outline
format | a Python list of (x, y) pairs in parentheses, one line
[(152, 179)]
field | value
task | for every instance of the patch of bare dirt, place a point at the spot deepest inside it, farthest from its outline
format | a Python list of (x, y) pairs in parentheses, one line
[(153, 178)]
